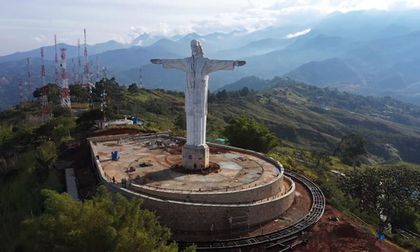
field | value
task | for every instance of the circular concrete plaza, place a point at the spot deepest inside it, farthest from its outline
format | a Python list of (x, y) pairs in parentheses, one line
[(247, 189)]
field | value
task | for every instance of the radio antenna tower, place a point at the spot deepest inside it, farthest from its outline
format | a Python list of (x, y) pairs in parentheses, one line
[(65, 91), (86, 62), (104, 73), (140, 78), (74, 71), (56, 74), (28, 63), (44, 91), (103, 100), (79, 62), (21, 94), (42, 67), (97, 69)]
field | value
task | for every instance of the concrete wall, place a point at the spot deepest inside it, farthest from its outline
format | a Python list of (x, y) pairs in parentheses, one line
[(251, 194), (208, 217), (184, 216)]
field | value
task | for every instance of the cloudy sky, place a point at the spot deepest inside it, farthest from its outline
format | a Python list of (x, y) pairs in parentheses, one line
[(27, 24)]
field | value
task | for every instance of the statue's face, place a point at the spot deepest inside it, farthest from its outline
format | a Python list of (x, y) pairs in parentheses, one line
[(196, 49)]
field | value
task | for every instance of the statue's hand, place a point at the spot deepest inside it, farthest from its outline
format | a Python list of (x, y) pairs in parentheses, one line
[(156, 61), (240, 62)]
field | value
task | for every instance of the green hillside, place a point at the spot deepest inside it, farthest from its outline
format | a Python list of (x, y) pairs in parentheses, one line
[(299, 114), (310, 123), (318, 118)]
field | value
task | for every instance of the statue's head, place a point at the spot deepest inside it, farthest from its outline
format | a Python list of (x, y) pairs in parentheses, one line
[(197, 50)]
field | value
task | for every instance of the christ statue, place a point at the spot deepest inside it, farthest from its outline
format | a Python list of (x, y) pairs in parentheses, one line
[(197, 68)]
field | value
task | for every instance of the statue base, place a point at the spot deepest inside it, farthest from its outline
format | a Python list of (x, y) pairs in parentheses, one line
[(195, 157)]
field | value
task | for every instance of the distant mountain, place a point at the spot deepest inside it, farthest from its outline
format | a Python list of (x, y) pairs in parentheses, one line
[(123, 59), (251, 82), (258, 47), (72, 51), (369, 52), (330, 72), (386, 66), (369, 25), (145, 39)]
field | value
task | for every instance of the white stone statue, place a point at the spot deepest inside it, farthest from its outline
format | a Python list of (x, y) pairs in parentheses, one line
[(197, 69)]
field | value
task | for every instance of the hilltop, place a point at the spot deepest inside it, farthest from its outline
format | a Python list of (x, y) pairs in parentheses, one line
[(308, 121)]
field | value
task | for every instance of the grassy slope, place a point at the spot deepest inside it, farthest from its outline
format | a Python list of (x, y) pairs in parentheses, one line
[(317, 118), (299, 114)]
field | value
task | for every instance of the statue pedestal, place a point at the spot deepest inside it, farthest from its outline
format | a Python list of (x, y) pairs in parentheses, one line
[(195, 157)]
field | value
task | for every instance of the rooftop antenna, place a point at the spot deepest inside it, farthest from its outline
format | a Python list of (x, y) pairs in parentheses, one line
[(56, 74), (65, 91), (44, 91)]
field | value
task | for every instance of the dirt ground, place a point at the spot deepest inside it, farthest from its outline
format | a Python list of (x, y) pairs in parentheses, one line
[(331, 235)]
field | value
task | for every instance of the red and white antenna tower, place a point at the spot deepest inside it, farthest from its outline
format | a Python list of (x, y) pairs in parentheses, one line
[(28, 63), (44, 91), (65, 91), (42, 67), (56, 60)]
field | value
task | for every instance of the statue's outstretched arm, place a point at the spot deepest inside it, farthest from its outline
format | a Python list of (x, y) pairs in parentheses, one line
[(171, 63), (216, 65)]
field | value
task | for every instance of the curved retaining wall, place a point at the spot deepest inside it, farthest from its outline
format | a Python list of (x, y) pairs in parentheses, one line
[(187, 216), (246, 195)]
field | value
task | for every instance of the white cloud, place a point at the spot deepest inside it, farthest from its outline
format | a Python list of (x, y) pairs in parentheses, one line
[(298, 34), (40, 38)]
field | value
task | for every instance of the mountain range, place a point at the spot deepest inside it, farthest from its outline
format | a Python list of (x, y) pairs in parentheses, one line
[(365, 52)]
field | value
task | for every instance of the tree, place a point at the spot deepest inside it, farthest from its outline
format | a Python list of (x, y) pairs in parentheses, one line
[(133, 88), (180, 121), (79, 93), (62, 127), (320, 160), (87, 119), (53, 93), (114, 96), (99, 224), (61, 111), (390, 192), (247, 133), (350, 149), (45, 157)]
